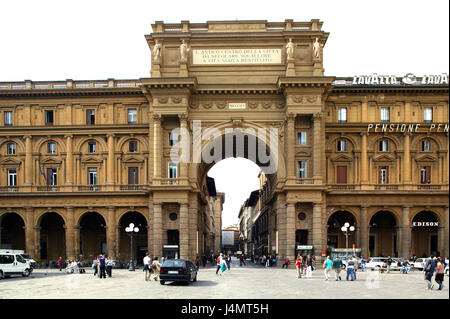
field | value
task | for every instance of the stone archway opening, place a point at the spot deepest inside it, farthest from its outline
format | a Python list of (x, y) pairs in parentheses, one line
[(335, 236), (383, 237), (241, 163), (52, 238), (12, 232), (140, 240), (424, 239), (92, 235)]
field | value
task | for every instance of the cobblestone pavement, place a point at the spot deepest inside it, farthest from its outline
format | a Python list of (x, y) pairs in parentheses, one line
[(247, 282)]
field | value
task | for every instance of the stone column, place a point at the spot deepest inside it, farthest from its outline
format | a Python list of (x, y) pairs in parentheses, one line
[(282, 226), (407, 160), (111, 232), (110, 180), (29, 231), (446, 231), (76, 248), (28, 161), (317, 169), (193, 228), (184, 231), (405, 234), (290, 230), (364, 167), (157, 229), (37, 241), (69, 160), (157, 147), (317, 229), (184, 144), (364, 232), (290, 147), (70, 234)]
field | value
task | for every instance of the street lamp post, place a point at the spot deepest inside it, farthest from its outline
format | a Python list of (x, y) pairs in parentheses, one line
[(345, 229), (131, 230)]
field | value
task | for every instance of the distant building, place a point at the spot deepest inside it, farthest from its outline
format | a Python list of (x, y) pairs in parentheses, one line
[(230, 239)]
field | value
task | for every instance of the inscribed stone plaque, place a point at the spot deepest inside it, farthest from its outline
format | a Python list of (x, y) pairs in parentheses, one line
[(237, 56)]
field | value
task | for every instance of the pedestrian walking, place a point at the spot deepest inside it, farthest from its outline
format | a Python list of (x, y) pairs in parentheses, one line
[(219, 264), (197, 262), (156, 266), (223, 265), (241, 260), (328, 266), (102, 266), (351, 269), (60, 263), (163, 259), (309, 265), (337, 266), (204, 260), (428, 269), (147, 270), (388, 264), (228, 261), (109, 266), (298, 266), (95, 266), (267, 261), (363, 264), (439, 277)]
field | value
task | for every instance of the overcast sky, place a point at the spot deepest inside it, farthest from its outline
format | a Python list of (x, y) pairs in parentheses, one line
[(84, 40)]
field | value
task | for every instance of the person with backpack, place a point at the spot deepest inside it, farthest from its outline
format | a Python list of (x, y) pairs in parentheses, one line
[(428, 269), (337, 266)]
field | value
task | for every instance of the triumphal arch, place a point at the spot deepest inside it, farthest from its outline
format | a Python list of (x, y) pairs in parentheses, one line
[(251, 79)]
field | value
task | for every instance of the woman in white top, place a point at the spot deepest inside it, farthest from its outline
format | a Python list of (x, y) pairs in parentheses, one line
[(155, 267)]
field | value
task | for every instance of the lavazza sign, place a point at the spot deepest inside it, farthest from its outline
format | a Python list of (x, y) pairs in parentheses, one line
[(408, 79)]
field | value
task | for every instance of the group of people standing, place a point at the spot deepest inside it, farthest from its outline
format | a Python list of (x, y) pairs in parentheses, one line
[(103, 266)]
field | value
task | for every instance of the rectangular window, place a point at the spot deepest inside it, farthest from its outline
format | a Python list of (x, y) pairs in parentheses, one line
[(133, 175), (8, 118), (301, 169), (385, 114), (342, 115), (51, 176), (383, 147), (173, 167), (92, 176), (133, 147), (92, 147), (425, 175), (11, 149), (173, 138), (428, 114), (49, 117), (12, 177), (383, 175), (90, 117), (132, 116), (301, 138), (51, 148), (341, 175), (425, 145), (341, 146)]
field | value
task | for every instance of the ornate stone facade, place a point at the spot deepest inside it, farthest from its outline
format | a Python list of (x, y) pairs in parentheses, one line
[(105, 146)]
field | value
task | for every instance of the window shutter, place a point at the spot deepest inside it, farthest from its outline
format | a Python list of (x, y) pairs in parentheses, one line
[(342, 174), (428, 174), (379, 174), (387, 174)]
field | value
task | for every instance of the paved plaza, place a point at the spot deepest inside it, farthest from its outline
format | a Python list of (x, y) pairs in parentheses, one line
[(250, 282)]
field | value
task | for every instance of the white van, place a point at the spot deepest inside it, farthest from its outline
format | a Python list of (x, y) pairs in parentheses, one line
[(13, 264)]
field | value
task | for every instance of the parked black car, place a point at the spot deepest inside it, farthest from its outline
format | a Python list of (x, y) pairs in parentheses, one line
[(177, 270)]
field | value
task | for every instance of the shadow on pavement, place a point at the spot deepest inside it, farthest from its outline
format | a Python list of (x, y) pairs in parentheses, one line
[(198, 283)]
